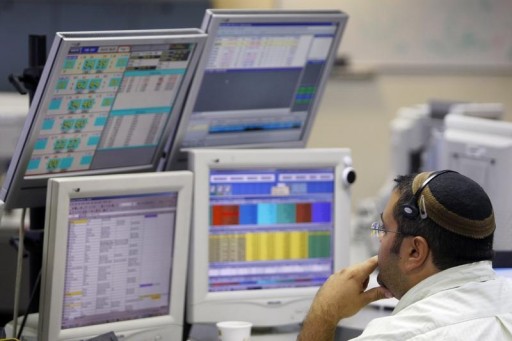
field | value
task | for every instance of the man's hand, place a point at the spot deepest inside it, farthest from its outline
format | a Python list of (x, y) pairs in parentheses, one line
[(341, 296)]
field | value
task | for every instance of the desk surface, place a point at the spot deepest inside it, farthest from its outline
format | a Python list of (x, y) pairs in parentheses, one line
[(347, 329)]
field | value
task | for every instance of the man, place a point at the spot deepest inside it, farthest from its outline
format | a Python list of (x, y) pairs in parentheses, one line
[(435, 256)]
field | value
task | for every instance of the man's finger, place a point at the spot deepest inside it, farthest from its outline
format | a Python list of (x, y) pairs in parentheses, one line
[(365, 268)]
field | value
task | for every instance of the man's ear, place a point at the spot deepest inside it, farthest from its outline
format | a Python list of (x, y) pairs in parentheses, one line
[(415, 253)]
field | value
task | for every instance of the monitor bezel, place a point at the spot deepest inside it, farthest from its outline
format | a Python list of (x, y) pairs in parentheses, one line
[(18, 191), (60, 192), (212, 20), (261, 307)]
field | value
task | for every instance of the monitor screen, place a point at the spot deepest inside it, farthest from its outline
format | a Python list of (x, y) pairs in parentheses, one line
[(115, 256), (260, 79), (481, 149), (272, 225), (504, 272), (107, 102)]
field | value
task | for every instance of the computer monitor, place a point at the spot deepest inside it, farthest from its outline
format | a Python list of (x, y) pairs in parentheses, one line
[(269, 227), (481, 149), (115, 260), (260, 79), (107, 102)]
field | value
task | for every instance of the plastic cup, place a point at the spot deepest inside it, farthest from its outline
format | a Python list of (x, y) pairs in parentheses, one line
[(234, 330)]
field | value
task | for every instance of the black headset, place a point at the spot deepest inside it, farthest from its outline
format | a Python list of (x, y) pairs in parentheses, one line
[(411, 209)]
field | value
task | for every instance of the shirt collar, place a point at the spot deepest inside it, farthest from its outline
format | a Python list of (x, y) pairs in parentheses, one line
[(447, 279)]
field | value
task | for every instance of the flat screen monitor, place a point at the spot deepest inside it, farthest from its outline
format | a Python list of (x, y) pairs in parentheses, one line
[(107, 102), (115, 256), (269, 227), (260, 79), (481, 149)]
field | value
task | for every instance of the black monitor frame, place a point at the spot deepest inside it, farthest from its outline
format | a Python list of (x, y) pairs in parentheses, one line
[(22, 191), (282, 128)]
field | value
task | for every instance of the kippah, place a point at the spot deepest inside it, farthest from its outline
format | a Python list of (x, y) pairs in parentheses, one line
[(456, 203)]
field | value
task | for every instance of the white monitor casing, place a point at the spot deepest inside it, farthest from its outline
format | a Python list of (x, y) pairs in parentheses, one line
[(60, 190), (262, 307), (481, 149)]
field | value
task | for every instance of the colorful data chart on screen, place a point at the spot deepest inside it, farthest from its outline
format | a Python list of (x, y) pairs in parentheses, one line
[(270, 228), (108, 99)]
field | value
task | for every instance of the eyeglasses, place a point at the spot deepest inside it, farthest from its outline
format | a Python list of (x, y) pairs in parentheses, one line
[(378, 229)]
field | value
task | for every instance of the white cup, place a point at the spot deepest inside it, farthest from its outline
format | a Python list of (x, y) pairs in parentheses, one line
[(234, 331)]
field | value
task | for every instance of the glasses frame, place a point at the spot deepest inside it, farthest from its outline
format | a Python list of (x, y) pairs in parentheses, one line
[(378, 229)]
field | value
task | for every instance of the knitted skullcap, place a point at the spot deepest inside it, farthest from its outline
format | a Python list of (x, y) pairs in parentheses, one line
[(456, 203)]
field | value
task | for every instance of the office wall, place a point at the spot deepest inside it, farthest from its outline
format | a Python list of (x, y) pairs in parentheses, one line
[(402, 53), (400, 34), (262, 4), (356, 112)]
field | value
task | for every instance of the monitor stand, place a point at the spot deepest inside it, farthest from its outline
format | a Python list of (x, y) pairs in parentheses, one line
[(30, 331), (34, 240)]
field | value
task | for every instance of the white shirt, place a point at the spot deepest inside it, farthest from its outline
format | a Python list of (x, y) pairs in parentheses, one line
[(467, 302)]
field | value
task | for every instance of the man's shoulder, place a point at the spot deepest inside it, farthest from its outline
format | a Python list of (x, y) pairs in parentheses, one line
[(431, 327)]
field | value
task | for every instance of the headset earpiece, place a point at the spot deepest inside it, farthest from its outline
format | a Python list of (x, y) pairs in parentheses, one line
[(409, 211)]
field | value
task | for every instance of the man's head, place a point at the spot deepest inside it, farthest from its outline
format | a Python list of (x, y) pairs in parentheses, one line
[(453, 225)]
